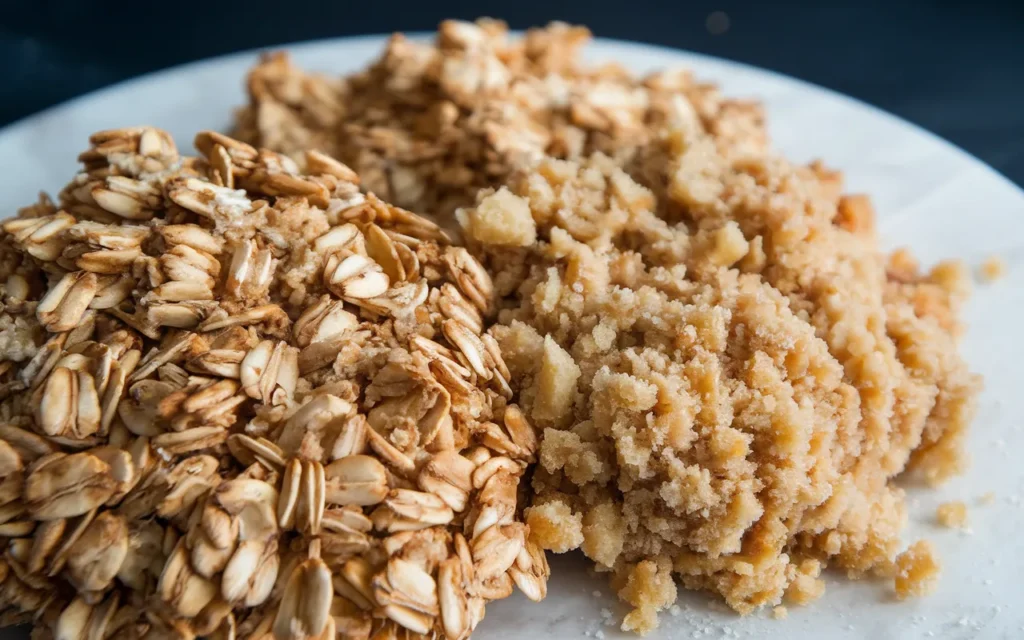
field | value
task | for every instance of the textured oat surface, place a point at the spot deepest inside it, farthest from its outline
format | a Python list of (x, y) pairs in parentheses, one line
[(431, 124), (243, 401)]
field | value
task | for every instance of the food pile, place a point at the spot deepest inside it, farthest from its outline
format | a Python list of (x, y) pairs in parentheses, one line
[(429, 125), (243, 395), (242, 400)]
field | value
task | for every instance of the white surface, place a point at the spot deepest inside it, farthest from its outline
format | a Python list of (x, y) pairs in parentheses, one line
[(929, 195)]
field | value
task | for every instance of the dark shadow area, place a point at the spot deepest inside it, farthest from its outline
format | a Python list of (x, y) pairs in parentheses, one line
[(955, 68)]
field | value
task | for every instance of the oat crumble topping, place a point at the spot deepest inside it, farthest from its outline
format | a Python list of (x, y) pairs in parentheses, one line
[(243, 395), (240, 400), (726, 370)]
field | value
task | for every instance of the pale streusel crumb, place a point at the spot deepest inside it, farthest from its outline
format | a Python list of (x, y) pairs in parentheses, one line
[(647, 586), (952, 515), (805, 586), (992, 269), (736, 420), (917, 570), (780, 612), (554, 526)]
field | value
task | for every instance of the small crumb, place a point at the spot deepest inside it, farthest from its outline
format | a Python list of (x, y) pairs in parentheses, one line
[(780, 613), (674, 610), (987, 498), (806, 586), (856, 214), (917, 570), (595, 593), (992, 269), (952, 515), (599, 635)]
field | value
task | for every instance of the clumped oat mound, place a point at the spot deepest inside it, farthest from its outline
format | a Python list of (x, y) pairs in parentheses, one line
[(727, 371), (428, 125), (237, 400)]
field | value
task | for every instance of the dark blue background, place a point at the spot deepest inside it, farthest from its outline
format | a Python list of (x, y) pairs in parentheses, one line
[(956, 68)]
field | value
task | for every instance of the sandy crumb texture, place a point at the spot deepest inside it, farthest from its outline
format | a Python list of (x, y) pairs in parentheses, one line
[(744, 376)]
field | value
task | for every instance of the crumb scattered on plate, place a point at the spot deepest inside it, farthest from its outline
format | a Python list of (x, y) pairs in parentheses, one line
[(917, 570), (952, 515), (992, 269)]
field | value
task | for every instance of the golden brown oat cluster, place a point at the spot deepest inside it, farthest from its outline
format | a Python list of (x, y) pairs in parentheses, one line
[(726, 373), (239, 400), (428, 125)]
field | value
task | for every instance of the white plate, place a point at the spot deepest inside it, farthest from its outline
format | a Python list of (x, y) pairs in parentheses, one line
[(929, 195)]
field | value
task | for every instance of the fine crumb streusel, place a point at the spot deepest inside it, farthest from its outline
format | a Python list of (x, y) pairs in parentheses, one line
[(726, 370), (727, 378)]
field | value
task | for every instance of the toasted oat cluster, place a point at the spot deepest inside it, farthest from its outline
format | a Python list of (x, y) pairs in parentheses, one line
[(726, 371), (428, 125), (240, 400)]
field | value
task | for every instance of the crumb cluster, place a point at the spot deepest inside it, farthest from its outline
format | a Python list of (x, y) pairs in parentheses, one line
[(726, 370), (993, 268)]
